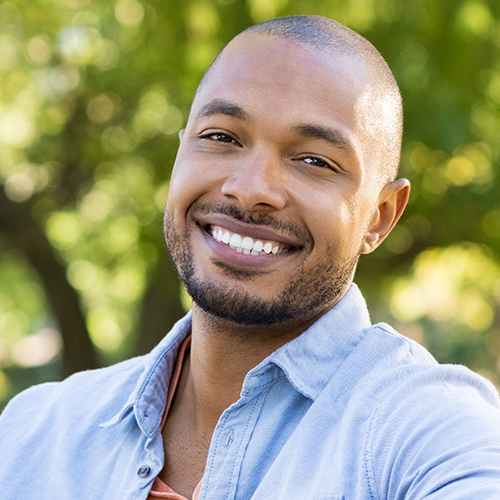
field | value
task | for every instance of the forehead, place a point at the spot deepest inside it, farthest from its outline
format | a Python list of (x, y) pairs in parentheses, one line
[(285, 79)]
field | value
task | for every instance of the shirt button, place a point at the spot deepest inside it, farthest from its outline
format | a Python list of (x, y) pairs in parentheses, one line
[(144, 471)]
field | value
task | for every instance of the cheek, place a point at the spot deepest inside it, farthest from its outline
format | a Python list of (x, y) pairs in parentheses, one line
[(334, 223), (188, 182)]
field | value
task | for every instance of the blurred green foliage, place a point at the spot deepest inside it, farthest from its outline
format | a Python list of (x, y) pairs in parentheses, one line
[(92, 97)]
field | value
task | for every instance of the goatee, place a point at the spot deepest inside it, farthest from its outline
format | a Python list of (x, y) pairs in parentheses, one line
[(306, 292)]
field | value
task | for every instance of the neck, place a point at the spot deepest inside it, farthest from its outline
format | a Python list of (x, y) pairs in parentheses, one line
[(222, 353)]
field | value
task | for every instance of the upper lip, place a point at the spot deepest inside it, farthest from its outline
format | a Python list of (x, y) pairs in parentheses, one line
[(255, 231)]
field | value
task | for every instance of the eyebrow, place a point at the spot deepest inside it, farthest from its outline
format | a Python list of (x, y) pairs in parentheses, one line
[(221, 107), (332, 136)]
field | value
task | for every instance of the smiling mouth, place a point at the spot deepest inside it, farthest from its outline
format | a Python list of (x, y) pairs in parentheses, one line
[(245, 244)]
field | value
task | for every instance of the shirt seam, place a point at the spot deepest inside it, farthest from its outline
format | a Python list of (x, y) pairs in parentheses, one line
[(398, 336), (370, 476), (368, 455)]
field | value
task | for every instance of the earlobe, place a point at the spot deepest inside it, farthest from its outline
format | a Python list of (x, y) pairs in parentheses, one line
[(391, 204)]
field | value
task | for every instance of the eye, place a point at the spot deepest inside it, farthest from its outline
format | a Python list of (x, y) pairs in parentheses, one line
[(320, 162), (218, 137)]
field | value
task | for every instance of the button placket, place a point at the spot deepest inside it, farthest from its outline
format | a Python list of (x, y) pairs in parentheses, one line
[(227, 449)]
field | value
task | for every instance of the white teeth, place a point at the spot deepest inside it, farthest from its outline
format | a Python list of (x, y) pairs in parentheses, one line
[(246, 244), (235, 240)]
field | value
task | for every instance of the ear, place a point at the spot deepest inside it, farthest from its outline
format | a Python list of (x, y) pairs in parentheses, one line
[(391, 204), (181, 134)]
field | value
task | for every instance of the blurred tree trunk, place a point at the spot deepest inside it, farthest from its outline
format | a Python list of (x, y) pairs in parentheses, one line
[(161, 307), (17, 224)]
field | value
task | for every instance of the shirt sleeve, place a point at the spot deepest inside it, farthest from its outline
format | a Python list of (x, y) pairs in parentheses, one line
[(436, 437)]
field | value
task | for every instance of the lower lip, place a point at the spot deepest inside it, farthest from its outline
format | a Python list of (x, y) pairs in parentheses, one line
[(230, 256)]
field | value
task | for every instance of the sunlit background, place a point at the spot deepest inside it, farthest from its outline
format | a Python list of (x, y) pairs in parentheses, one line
[(93, 94)]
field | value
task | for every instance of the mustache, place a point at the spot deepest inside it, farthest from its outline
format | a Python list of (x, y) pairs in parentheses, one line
[(261, 219)]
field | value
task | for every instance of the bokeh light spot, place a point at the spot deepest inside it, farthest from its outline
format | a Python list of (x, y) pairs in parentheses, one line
[(16, 129), (475, 17), (19, 187), (64, 229), (491, 223), (129, 12), (203, 18), (453, 284), (459, 171), (100, 108), (39, 50), (38, 349), (104, 329), (83, 275)]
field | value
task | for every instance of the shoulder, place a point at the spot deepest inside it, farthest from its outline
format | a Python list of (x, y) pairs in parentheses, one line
[(96, 394), (102, 392), (431, 426), (405, 375), (52, 429), (406, 366)]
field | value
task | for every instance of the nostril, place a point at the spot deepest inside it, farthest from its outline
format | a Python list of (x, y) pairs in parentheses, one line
[(253, 197)]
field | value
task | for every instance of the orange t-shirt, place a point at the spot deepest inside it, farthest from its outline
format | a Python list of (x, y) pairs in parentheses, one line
[(159, 489)]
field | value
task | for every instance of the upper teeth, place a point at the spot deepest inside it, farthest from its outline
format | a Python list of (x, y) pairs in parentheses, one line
[(245, 244)]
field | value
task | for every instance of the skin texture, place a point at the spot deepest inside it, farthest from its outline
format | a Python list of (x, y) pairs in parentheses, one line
[(275, 148)]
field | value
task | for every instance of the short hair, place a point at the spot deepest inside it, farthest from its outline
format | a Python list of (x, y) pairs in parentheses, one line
[(382, 101)]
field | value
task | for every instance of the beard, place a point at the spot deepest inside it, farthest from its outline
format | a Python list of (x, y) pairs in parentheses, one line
[(307, 292)]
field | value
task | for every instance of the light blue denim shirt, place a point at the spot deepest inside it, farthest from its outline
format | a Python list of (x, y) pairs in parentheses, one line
[(345, 411)]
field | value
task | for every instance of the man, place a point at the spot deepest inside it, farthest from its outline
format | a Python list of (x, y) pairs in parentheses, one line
[(276, 386)]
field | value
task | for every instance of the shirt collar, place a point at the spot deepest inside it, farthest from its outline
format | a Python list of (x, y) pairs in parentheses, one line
[(149, 397), (310, 360)]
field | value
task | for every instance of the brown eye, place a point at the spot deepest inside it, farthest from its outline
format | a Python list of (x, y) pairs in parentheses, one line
[(317, 162), (217, 136)]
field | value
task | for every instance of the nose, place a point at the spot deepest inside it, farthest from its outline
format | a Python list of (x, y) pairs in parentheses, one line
[(257, 182)]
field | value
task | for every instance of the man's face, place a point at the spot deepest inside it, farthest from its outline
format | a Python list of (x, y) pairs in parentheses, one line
[(271, 194)]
